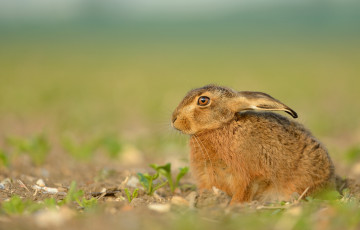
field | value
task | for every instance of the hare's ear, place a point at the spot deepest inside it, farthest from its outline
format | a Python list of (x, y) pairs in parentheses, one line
[(247, 100)]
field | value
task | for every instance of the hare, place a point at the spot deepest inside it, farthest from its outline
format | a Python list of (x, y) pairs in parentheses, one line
[(247, 152)]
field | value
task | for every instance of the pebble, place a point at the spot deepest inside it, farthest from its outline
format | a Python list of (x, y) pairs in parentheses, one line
[(46, 189), (191, 198), (178, 200), (133, 182), (161, 208), (6, 181), (40, 183)]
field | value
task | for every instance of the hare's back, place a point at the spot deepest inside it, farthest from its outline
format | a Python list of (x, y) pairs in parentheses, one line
[(276, 138), (271, 126), (283, 145)]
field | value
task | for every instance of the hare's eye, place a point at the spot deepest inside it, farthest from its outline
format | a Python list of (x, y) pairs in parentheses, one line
[(203, 101)]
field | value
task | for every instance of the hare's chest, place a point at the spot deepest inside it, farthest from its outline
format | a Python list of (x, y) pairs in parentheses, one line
[(211, 172)]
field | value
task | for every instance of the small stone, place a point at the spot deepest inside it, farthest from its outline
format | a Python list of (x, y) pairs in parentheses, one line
[(40, 183), (178, 200), (6, 181), (46, 189), (158, 197), (2, 186), (191, 198), (216, 191), (161, 208), (133, 182)]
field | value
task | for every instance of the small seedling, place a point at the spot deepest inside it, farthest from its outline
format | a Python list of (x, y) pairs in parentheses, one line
[(80, 151), (147, 180), (353, 154), (77, 196), (165, 170), (130, 197), (36, 147), (182, 172), (18, 206), (112, 145), (50, 203), (4, 160)]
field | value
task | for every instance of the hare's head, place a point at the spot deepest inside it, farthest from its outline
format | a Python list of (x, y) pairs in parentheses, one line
[(212, 106)]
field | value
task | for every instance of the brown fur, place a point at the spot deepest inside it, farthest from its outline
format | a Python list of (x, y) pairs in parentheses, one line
[(250, 155)]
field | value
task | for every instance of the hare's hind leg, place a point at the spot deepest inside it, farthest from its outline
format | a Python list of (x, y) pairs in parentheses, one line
[(242, 192)]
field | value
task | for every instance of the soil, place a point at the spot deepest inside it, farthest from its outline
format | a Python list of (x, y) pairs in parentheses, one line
[(106, 180)]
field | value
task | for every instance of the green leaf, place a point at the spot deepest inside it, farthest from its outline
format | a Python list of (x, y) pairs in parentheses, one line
[(50, 203), (128, 194), (14, 206), (88, 204), (144, 180), (18, 206), (4, 160), (73, 194), (80, 151), (130, 197), (328, 195), (36, 147), (183, 171), (135, 193), (160, 185), (112, 145), (353, 154)]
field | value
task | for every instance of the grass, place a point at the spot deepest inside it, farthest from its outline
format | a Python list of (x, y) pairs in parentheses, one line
[(37, 147)]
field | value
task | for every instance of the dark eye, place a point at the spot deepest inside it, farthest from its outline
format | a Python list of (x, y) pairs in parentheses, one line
[(203, 101)]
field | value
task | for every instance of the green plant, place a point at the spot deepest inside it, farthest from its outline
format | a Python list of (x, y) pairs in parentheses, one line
[(87, 204), (36, 147), (77, 196), (147, 181), (80, 151), (165, 170), (130, 197), (353, 154), (112, 145), (18, 206), (4, 160), (50, 203)]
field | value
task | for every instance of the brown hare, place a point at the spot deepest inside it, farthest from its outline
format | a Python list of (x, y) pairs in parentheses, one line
[(251, 155)]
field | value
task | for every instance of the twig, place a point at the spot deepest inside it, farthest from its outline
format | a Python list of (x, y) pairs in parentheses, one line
[(101, 196), (303, 194), (22, 185)]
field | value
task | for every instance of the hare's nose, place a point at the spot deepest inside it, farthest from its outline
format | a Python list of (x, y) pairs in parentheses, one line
[(174, 119)]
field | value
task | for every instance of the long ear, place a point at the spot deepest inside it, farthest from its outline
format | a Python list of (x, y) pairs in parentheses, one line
[(247, 100)]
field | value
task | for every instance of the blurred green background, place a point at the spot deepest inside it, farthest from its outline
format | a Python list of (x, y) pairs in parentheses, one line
[(90, 67)]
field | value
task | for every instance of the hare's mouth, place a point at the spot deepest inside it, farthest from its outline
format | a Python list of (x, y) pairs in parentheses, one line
[(182, 130)]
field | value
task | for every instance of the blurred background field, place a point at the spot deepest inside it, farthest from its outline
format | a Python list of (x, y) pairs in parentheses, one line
[(76, 71)]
